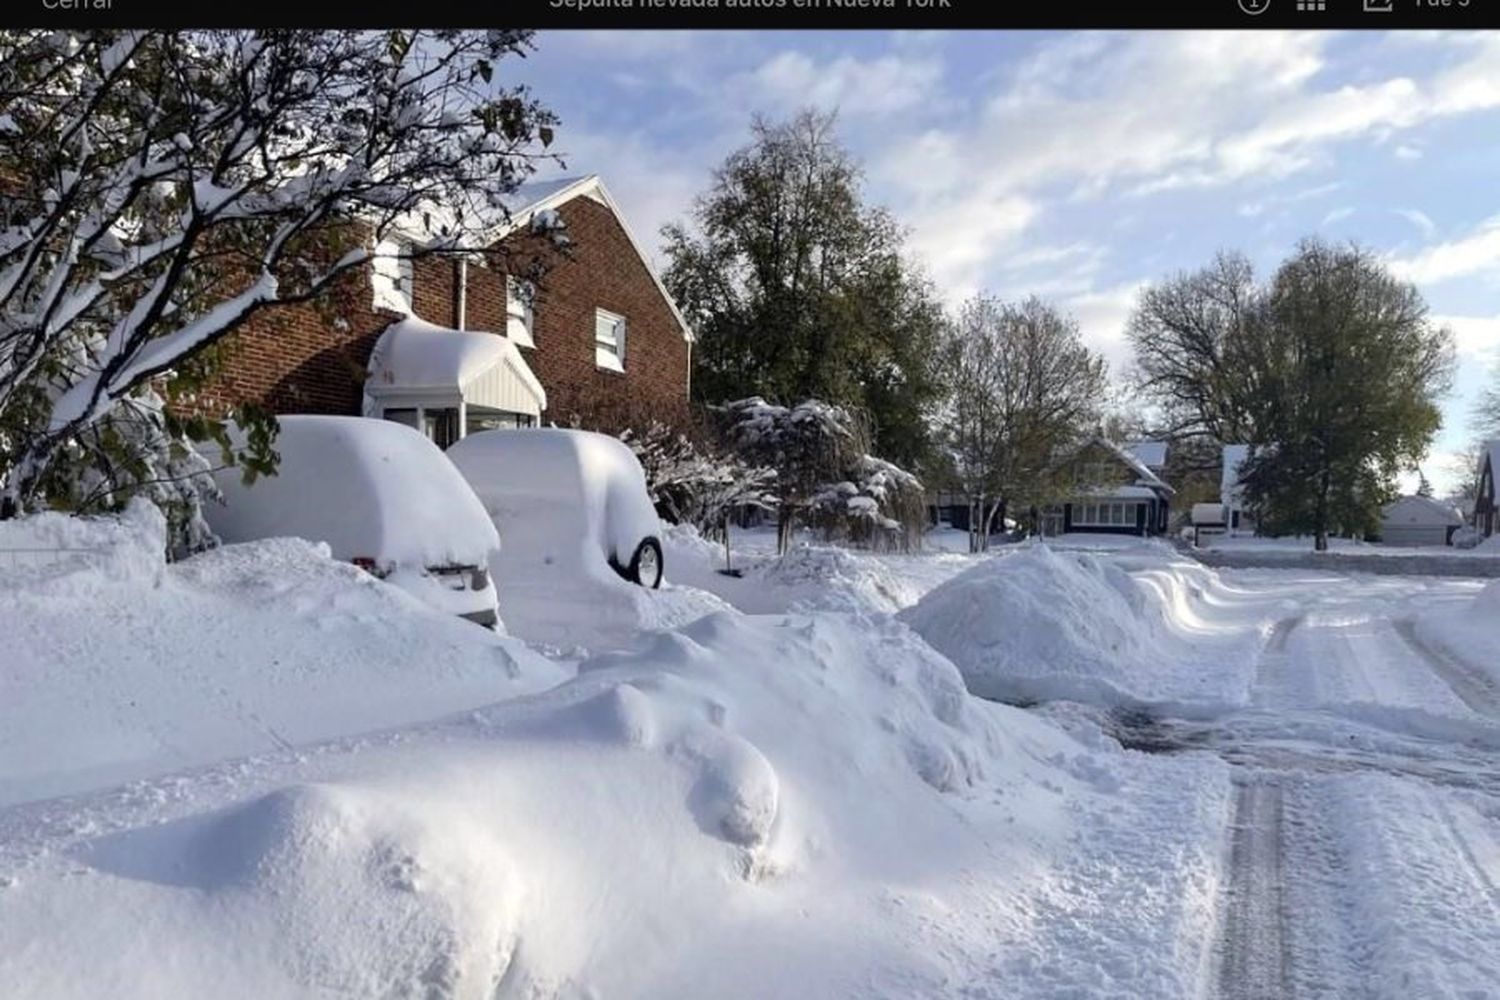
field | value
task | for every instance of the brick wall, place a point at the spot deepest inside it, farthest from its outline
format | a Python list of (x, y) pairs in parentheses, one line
[(312, 358), (305, 358)]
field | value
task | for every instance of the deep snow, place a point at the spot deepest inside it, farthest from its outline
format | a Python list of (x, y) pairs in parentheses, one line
[(368, 798)]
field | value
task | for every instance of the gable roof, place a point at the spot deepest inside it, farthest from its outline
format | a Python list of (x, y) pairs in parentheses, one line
[(1152, 454), (1416, 509), (1144, 476), (529, 201)]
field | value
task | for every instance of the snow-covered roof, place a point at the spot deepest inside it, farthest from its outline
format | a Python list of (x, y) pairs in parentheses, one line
[(414, 356), (1229, 476), (530, 200), (1144, 476), (1421, 510), (1119, 493), (1152, 454), (528, 196)]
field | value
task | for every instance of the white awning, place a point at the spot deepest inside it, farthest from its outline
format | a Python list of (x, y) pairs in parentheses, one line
[(416, 362)]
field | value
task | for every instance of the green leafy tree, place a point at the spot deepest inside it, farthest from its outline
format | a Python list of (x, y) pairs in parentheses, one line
[(799, 290), (1022, 387), (1345, 370)]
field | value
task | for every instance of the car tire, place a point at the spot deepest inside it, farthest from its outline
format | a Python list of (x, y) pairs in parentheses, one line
[(646, 566)]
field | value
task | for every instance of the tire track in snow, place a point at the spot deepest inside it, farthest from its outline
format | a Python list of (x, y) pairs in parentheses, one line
[(1254, 945), (1476, 690), (1273, 670)]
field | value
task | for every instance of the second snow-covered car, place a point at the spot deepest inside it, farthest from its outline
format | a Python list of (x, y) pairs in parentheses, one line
[(568, 504), (381, 496)]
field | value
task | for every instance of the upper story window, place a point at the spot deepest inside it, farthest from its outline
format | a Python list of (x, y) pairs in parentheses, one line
[(520, 316), (391, 277), (609, 340)]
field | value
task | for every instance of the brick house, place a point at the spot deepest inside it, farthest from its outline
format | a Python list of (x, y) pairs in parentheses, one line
[(454, 344)]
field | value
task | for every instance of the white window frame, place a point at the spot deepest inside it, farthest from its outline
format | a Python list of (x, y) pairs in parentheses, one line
[(520, 312), (609, 352), (391, 277), (1106, 514)]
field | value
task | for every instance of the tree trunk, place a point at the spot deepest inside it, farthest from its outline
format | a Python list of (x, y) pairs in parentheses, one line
[(783, 529), (1320, 519)]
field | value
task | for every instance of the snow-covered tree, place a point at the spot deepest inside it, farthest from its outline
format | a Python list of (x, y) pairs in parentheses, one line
[(160, 189), (692, 483), (825, 474)]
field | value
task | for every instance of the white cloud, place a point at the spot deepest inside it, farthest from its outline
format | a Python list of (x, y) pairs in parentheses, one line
[(854, 87), (1102, 317), (1338, 215), (1418, 219), (1475, 337), (1476, 253), (1408, 151)]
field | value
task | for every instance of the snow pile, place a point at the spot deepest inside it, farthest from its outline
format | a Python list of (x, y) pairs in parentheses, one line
[(1465, 638), (1044, 625), (341, 886), (55, 552), (826, 577), (801, 805), (809, 577), (747, 769), (123, 665)]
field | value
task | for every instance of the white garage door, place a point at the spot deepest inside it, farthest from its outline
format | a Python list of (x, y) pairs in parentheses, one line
[(1414, 534)]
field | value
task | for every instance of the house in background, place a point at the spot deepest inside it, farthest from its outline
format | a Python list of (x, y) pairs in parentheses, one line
[(1236, 519), (1486, 516), (1112, 490), (1418, 520), (453, 344)]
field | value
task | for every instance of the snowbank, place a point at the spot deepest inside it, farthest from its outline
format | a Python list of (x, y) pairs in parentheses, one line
[(810, 577), (1046, 625), (1465, 639), (119, 665), (745, 807)]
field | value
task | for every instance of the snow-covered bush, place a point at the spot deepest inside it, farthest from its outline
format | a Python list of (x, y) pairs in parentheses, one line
[(826, 476), (692, 483), (883, 507)]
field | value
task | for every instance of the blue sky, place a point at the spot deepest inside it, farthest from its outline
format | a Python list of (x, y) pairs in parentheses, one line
[(1081, 166)]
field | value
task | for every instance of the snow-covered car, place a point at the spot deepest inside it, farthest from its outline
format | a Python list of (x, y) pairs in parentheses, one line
[(569, 505), (381, 496)]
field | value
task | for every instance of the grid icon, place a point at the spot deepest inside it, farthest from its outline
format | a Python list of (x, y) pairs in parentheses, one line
[(1312, 5)]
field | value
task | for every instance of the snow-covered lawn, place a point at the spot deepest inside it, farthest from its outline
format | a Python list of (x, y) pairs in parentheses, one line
[(279, 777)]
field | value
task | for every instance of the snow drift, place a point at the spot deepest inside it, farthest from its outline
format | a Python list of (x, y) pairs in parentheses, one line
[(118, 664), (1043, 625)]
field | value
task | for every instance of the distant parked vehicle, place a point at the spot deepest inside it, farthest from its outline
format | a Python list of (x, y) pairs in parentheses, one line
[(381, 496), (570, 505)]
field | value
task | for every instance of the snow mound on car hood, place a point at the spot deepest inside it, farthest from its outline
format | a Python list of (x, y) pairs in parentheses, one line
[(1046, 625)]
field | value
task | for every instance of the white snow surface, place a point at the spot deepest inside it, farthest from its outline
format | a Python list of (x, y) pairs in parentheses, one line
[(1043, 624), (118, 665), (370, 488), (285, 778), (565, 501)]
